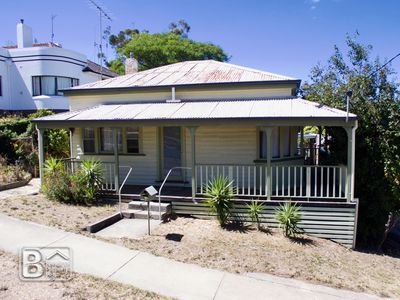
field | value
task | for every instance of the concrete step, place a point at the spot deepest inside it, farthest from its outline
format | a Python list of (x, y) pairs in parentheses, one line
[(142, 214), (142, 205)]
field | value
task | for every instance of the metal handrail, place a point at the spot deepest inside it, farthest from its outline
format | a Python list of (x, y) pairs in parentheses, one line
[(122, 185), (162, 185)]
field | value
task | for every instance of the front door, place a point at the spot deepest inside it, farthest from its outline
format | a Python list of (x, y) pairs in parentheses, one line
[(172, 152)]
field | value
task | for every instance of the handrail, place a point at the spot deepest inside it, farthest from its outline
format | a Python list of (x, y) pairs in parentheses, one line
[(122, 185), (162, 185)]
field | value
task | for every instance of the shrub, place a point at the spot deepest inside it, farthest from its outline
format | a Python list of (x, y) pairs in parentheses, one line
[(255, 209), (219, 192), (11, 173), (288, 216), (80, 187)]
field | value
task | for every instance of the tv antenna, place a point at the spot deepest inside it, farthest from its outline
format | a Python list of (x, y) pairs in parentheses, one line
[(52, 28), (102, 14)]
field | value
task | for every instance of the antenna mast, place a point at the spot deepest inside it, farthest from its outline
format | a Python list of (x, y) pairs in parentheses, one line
[(102, 14), (52, 28)]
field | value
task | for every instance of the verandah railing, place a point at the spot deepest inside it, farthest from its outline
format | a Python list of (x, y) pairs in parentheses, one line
[(287, 181), (108, 172)]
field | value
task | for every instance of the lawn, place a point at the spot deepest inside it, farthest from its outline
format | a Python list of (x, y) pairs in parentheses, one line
[(79, 287), (236, 249)]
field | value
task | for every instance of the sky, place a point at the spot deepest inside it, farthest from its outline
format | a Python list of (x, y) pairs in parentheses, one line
[(287, 37)]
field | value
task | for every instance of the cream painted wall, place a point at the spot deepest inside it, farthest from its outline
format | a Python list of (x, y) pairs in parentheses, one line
[(83, 101), (214, 145), (145, 168)]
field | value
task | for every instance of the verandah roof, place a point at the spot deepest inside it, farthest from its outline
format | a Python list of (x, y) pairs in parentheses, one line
[(265, 109)]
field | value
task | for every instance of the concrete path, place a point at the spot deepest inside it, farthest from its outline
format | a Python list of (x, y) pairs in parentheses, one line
[(31, 188), (161, 275), (130, 228)]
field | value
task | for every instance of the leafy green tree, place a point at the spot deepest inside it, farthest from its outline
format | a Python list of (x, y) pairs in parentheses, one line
[(159, 49), (375, 101)]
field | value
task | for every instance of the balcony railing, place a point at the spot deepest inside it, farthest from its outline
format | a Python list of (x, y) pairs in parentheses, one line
[(108, 172), (287, 181)]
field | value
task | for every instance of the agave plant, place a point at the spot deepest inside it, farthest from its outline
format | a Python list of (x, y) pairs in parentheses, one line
[(255, 208), (288, 216), (90, 180), (91, 172), (219, 192), (53, 167)]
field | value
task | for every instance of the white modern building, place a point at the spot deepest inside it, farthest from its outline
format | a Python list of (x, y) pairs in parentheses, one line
[(32, 74)]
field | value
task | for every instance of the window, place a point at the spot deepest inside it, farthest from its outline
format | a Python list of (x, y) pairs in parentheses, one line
[(50, 85), (88, 140), (1, 91), (275, 139), (132, 140), (107, 141)]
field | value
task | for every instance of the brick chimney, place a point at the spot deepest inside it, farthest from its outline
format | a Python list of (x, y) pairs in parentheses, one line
[(131, 65)]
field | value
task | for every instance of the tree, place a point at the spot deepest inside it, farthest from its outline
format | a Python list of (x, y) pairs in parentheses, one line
[(159, 49), (376, 103)]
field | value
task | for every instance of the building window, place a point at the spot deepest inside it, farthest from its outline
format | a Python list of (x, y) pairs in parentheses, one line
[(89, 140), (1, 89), (132, 140), (107, 141), (51, 85), (275, 139)]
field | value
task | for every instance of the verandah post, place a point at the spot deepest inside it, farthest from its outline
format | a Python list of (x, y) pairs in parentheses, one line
[(351, 149), (116, 159), (192, 131), (267, 146), (41, 153)]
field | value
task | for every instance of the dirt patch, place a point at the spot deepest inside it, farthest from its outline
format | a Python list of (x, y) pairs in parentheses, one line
[(244, 249), (237, 249), (79, 287), (73, 218)]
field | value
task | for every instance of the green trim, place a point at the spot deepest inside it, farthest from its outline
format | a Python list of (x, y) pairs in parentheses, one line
[(279, 159)]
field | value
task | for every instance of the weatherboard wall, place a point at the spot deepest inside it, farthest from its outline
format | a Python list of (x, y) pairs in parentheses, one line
[(182, 93), (333, 221), (214, 145)]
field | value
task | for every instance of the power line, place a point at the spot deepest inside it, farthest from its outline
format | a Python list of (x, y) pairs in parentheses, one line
[(384, 65)]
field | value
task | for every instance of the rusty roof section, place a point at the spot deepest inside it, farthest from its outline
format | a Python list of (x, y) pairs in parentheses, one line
[(49, 44), (187, 73)]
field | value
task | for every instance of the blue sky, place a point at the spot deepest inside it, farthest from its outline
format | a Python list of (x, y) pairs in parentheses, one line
[(287, 36)]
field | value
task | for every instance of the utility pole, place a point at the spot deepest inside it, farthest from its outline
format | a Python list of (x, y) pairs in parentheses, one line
[(102, 14)]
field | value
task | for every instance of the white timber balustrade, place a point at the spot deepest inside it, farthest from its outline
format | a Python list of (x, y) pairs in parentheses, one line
[(286, 181)]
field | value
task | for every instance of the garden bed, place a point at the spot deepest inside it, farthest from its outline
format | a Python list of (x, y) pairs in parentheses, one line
[(239, 249), (73, 218), (13, 185)]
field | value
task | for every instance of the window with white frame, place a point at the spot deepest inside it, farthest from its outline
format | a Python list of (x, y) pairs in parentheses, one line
[(107, 141), (275, 147), (132, 139), (89, 142), (51, 85)]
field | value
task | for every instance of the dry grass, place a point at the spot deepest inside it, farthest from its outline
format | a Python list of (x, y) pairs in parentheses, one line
[(238, 250), (242, 250), (79, 287), (71, 218)]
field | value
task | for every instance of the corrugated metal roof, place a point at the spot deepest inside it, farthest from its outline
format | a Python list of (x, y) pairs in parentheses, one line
[(195, 110), (186, 73)]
